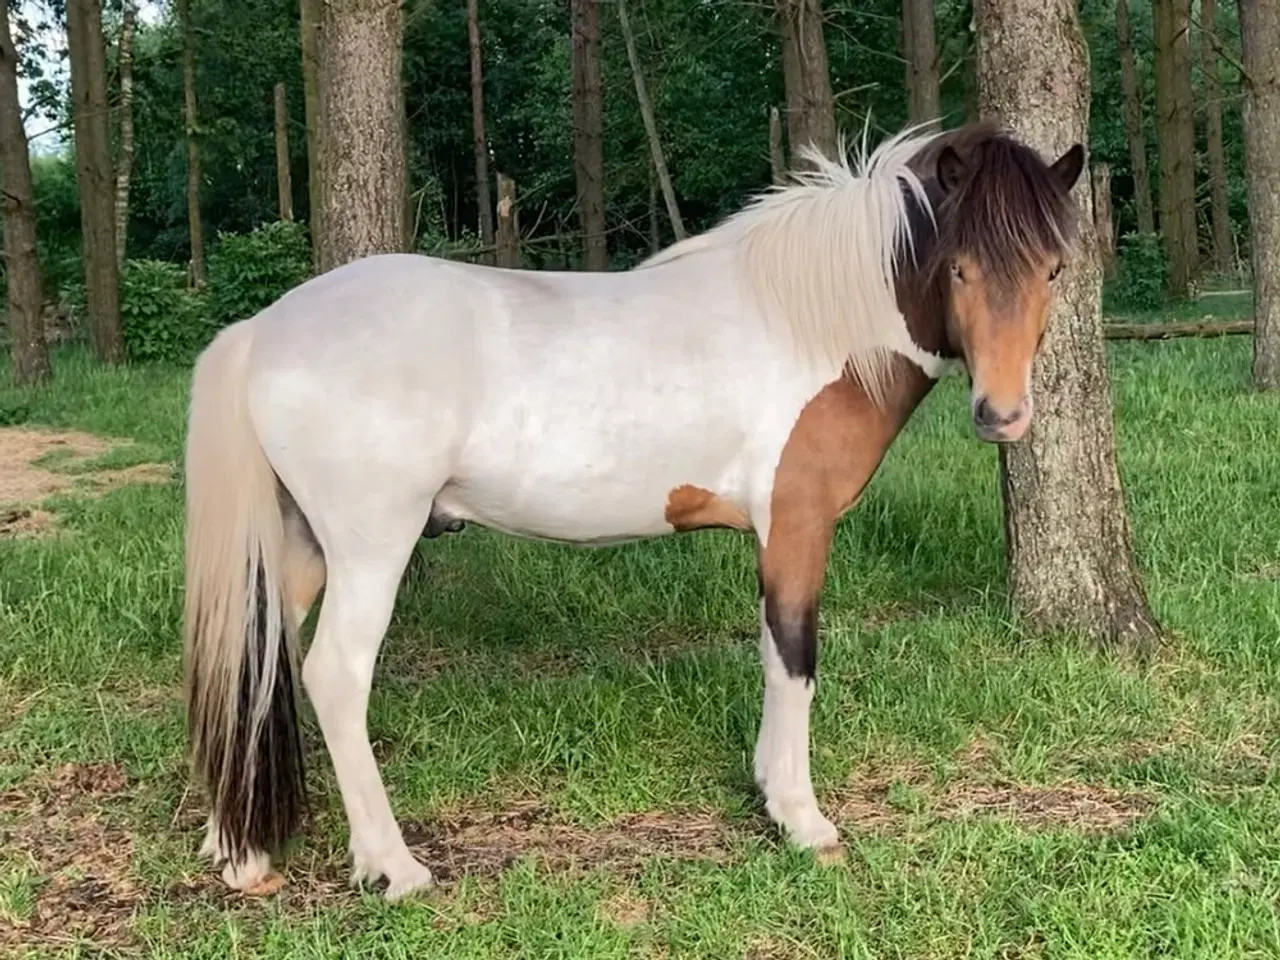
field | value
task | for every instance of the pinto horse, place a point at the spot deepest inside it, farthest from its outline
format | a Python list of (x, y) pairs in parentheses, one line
[(750, 377)]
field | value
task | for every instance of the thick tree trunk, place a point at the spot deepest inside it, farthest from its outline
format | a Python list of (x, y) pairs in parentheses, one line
[(194, 224), (1067, 528), (920, 50), (124, 163), (1259, 30), (94, 177), (309, 27), (811, 114), (1133, 120), (508, 231), (777, 165), (29, 355), (650, 125), (1102, 222), (361, 112), (284, 179), (588, 132), (1175, 127), (479, 141), (1222, 246)]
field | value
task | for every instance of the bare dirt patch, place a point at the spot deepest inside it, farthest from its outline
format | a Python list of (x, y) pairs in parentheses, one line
[(35, 464), (56, 823)]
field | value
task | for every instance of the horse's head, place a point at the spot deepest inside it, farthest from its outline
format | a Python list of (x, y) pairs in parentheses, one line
[(1004, 226)]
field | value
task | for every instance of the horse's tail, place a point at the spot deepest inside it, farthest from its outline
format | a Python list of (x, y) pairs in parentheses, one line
[(241, 643)]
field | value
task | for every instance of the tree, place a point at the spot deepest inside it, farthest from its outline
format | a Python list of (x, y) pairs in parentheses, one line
[(308, 29), (921, 53), (650, 125), (284, 179), (194, 225), (1212, 89), (124, 163), (481, 143), (361, 124), (811, 112), (1068, 532), (29, 354), (1259, 30), (588, 131), (94, 177), (1133, 120), (1176, 137)]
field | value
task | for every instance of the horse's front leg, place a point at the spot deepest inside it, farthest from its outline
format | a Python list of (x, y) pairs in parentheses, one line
[(793, 558)]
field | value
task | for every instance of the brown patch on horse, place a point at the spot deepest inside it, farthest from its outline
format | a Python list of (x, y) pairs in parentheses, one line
[(692, 508)]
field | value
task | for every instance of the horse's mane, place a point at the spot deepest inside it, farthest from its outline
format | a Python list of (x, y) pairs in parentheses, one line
[(820, 255)]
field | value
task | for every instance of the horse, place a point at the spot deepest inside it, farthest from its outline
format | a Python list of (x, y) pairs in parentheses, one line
[(749, 377)]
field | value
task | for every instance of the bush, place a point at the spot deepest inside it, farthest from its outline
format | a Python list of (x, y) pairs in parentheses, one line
[(250, 271), (162, 319), (1141, 273)]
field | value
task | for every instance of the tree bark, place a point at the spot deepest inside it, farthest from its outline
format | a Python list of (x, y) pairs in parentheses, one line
[(1102, 222), (29, 353), (124, 163), (508, 232), (920, 50), (1176, 134), (1133, 120), (811, 114), (361, 114), (284, 179), (588, 132), (479, 141), (777, 165), (650, 125), (194, 224), (1259, 30), (655, 228), (94, 177), (1067, 528), (309, 26), (1221, 219)]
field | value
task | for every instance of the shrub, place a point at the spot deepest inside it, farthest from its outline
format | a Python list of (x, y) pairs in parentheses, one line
[(1141, 273), (249, 271), (161, 318)]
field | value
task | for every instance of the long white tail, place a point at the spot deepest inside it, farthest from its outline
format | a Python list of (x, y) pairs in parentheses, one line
[(241, 643)]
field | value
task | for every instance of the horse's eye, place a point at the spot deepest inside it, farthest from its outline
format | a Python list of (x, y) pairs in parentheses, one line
[(956, 272), (1053, 274)]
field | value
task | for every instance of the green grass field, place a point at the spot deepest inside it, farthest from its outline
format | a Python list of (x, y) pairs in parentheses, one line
[(566, 735)]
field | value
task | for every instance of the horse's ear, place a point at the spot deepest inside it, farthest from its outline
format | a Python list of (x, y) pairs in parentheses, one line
[(1068, 166), (951, 170)]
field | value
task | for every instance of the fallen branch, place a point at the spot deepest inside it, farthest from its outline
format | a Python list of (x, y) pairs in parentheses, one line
[(1169, 331)]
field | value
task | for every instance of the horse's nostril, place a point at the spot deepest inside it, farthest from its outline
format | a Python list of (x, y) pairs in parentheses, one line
[(984, 415)]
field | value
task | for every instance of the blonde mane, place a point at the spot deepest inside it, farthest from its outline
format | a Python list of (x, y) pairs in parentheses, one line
[(820, 253)]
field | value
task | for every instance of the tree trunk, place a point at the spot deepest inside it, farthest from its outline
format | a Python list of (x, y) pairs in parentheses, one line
[(1222, 247), (124, 163), (361, 113), (655, 228), (29, 353), (309, 26), (651, 125), (1067, 528), (920, 50), (1133, 121), (94, 177), (1259, 28), (284, 181), (479, 141), (194, 224), (588, 132), (508, 232), (777, 165), (1102, 223), (811, 114), (1175, 126)]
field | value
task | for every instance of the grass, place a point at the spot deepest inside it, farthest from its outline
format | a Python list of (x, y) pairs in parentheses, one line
[(568, 733)]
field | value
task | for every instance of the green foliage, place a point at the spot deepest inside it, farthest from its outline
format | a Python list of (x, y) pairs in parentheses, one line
[(1141, 273), (250, 271), (163, 320)]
